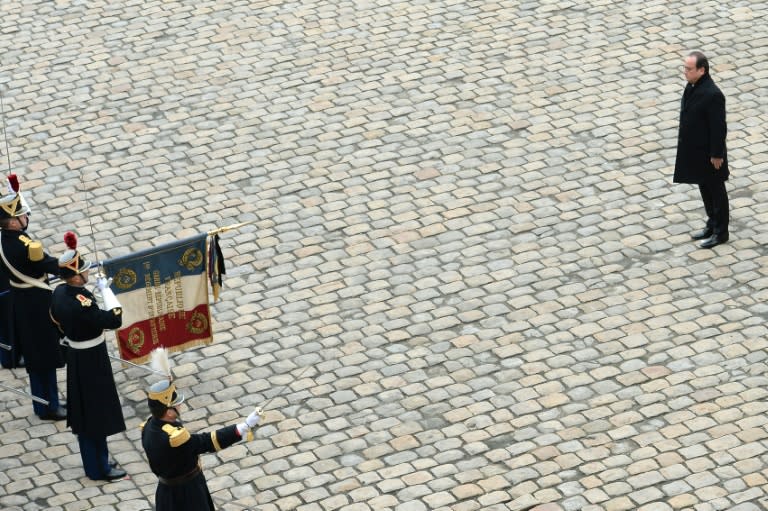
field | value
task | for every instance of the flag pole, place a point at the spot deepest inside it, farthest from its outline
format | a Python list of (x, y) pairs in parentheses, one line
[(229, 227)]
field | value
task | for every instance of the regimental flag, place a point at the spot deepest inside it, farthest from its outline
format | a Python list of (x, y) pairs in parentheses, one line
[(164, 294)]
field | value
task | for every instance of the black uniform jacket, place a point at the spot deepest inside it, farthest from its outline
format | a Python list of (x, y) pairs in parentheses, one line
[(173, 454), (93, 407), (9, 358), (701, 135), (33, 328)]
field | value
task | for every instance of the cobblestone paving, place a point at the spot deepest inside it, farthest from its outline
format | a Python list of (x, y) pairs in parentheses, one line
[(468, 282)]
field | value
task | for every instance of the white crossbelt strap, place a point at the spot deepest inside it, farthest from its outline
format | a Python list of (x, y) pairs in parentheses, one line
[(26, 280), (82, 345)]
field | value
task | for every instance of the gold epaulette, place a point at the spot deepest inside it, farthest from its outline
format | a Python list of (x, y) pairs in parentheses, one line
[(141, 426), (34, 248), (176, 435)]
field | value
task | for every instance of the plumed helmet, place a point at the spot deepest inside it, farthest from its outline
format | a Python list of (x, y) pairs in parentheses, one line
[(70, 263), (13, 204), (162, 395)]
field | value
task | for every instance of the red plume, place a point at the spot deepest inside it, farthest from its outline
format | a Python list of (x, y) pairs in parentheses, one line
[(14, 182), (70, 240)]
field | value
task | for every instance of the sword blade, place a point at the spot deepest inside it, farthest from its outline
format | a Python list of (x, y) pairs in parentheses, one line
[(5, 135), (22, 393), (286, 387)]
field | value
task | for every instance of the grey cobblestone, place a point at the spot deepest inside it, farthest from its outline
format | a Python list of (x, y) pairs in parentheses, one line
[(463, 222)]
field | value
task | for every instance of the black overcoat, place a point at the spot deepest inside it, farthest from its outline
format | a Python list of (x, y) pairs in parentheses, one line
[(9, 358), (173, 452), (93, 405), (701, 134), (33, 328)]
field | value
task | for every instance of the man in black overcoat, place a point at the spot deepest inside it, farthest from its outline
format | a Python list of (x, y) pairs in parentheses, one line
[(173, 452), (93, 411), (701, 153), (27, 266)]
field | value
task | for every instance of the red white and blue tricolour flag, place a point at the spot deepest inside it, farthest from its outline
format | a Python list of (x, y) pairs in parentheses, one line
[(164, 294)]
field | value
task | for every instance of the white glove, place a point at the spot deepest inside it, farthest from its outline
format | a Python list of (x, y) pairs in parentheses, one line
[(110, 300), (244, 428), (255, 416), (103, 282)]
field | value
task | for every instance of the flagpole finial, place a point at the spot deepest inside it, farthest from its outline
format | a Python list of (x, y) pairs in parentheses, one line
[(226, 228)]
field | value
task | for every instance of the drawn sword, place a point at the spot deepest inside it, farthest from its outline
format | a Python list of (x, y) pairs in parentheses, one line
[(22, 393)]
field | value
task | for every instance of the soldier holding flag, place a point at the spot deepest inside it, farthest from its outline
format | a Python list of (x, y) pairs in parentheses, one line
[(94, 406)]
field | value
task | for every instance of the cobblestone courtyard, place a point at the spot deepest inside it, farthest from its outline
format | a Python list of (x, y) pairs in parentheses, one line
[(467, 282)]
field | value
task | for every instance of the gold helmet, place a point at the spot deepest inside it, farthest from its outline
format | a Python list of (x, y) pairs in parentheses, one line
[(13, 204), (162, 395)]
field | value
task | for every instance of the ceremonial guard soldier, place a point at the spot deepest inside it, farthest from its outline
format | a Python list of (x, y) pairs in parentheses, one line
[(26, 265), (173, 452), (94, 410)]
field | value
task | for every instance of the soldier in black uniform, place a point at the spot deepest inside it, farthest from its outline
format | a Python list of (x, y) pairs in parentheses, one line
[(27, 266), (94, 410), (173, 452)]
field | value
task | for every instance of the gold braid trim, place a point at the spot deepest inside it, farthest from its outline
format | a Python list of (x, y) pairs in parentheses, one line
[(215, 441)]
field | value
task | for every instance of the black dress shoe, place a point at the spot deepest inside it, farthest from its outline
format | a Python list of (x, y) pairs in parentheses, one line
[(714, 240), (114, 473), (702, 234), (58, 414)]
